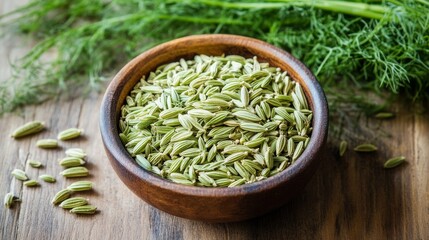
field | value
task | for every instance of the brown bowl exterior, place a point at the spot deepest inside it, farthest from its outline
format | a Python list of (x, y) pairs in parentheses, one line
[(212, 204)]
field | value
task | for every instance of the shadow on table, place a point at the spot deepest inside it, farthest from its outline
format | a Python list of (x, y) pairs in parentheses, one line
[(352, 197)]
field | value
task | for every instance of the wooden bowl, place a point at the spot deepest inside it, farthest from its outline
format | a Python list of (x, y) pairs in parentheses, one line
[(212, 204)]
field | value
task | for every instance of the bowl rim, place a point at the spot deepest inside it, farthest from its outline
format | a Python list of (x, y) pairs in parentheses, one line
[(114, 147)]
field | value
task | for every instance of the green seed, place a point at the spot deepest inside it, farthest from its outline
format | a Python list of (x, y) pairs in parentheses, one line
[(9, 199), (218, 131), (393, 162), (244, 96), (280, 144), (217, 174), (248, 168), (47, 143), (161, 129), (61, 196), (290, 147), (71, 162), (343, 148), (268, 158), (175, 165), (47, 178), (236, 149), (300, 95), (182, 181), (75, 152), (140, 146), (181, 146), (170, 113), (80, 186), (384, 115), (259, 158), (28, 128), (282, 112), (255, 143), (34, 163), (251, 164), (366, 147), (246, 115), (143, 162), (151, 89), (191, 152), (235, 157), (185, 121), (195, 123), (178, 176), (265, 172), (218, 117), (200, 113), (75, 172), (70, 133), (237, 182), (180, 136), (222, 144), (167, 138), (253, 127), (73, 202), (241, 170), (156, 158), (298, 150), (146, 121), (31, 183), (206, 180), (217, 102), (298, 138), (19, 174), (86, 209)]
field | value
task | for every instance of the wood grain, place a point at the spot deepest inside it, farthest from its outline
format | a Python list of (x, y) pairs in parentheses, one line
[(349, 198)]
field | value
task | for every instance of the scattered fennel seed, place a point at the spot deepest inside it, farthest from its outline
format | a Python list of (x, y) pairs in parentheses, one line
[(28, 129), (34, 163), (393, 162), (366, 147), (69, 134), (47, 143), (47, 178)]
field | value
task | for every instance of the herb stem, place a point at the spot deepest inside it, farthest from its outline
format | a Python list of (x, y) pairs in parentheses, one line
[(351, 8), (423, 2)]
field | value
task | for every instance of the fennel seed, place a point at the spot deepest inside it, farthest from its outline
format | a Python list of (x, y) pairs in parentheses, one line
[(34, 163), (19, 174), (73, 202), (384, 115), (75, 172), (366, 147), (69, 134), (61, 196), (31, 183), (80, 186), (9, 199), (47, 178), (75, 152), (47, 143), (71, 162), (393, 162), (28, 128), (86, 209), (343, 148), (213, 118)]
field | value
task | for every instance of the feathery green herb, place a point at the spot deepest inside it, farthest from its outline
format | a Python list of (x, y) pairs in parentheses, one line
[(371, 45)]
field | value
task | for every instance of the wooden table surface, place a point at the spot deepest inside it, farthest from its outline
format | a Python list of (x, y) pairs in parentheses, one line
[(351, 197)]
